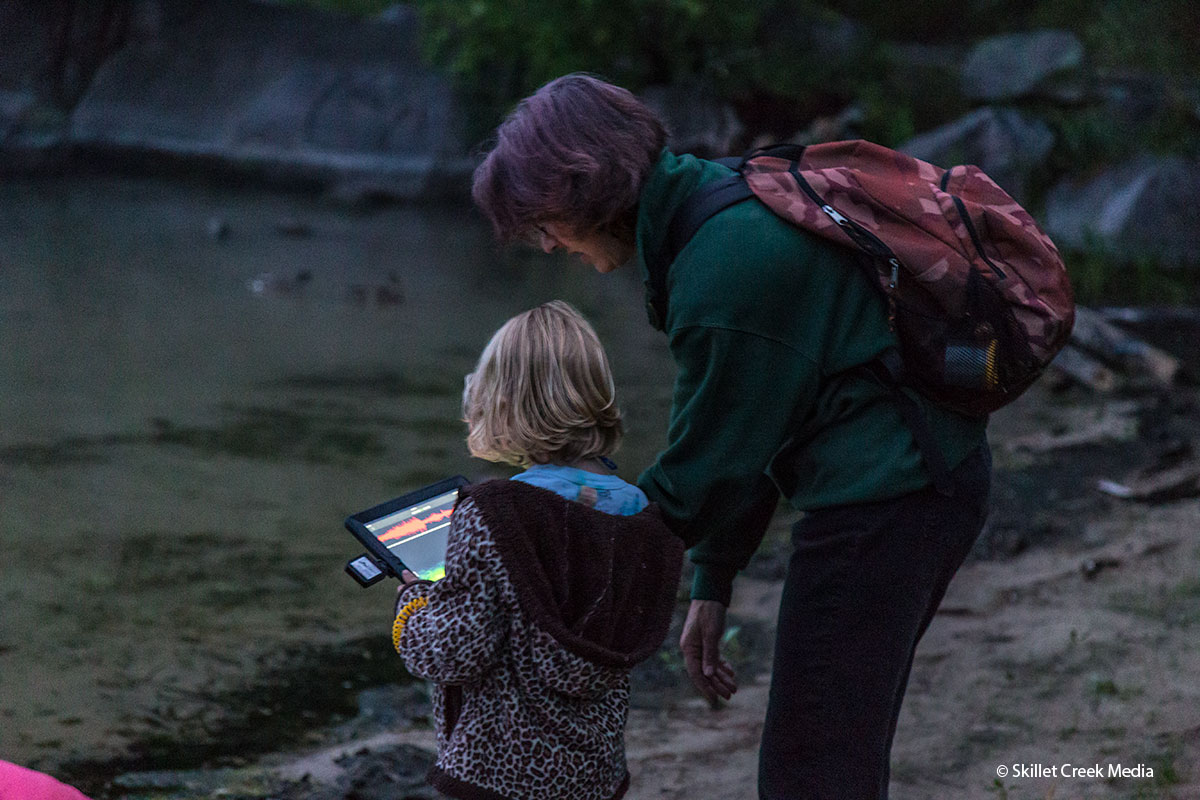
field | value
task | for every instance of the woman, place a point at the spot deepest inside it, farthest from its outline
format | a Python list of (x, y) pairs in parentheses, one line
[(766, 323)]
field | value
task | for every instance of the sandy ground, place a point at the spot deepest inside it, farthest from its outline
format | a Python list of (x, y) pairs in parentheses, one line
[(1029, 663)]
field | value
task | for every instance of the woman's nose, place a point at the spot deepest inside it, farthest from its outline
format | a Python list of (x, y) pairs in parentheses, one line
[(549, 243)]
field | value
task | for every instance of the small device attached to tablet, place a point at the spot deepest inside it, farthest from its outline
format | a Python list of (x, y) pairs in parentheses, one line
[(407, 533)]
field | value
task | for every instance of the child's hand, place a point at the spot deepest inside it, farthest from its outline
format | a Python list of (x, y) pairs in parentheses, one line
[(406, 579)]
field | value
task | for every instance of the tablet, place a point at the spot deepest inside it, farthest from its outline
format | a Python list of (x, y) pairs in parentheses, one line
[(407, 533)]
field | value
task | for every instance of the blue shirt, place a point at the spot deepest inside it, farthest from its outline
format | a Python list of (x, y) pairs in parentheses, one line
[(606, 493)]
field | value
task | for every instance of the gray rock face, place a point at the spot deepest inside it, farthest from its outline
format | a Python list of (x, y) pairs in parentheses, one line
[(1021, 64), (1148, 208), (289, 93), (1004, 143)]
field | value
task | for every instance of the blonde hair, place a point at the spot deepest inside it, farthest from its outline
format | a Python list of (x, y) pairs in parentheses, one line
[(542, 391)]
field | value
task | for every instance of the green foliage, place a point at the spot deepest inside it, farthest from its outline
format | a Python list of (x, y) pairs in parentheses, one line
[(888, 119), (501, 50), (1099, 277), (1152, 35), (1087, 139)]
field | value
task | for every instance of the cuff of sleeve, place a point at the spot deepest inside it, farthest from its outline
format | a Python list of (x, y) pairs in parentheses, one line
[(412, 590), (713, 582)]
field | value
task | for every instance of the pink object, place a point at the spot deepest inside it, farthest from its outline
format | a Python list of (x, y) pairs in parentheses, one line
[(19, 783)]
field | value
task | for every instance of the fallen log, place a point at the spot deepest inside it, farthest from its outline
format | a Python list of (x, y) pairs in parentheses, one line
[(1173, 483), (1109, 422), (1150, 314), (1108, 343), (1082, 368)]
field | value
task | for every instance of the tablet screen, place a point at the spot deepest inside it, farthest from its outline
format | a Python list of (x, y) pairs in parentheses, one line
[(417, 534)]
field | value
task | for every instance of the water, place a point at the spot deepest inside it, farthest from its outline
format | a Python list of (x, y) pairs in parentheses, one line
[(199, 383)]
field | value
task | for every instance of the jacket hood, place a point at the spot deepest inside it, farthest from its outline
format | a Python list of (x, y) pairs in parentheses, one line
[(600, 588)]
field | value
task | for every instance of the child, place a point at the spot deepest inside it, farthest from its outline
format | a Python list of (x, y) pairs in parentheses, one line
[(557, 581)]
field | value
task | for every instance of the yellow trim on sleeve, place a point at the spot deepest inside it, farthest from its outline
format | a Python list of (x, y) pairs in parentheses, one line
[(411, 607)]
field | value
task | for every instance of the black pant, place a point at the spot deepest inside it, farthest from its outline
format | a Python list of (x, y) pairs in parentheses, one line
[(862, 586)]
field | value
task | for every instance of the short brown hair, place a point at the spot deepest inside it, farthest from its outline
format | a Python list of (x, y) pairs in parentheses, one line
[(542, 391), (576, 152)]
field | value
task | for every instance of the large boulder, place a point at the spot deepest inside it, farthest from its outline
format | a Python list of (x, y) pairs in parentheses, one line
[(1016, 65), (293, 94), (33, 123), (33, 132), (1003, 142), (1147, 208)]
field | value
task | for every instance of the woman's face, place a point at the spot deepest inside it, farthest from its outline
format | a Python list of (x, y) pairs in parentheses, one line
[(603, 251)]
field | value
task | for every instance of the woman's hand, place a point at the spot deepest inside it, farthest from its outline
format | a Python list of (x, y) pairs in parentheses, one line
[(701, 646)]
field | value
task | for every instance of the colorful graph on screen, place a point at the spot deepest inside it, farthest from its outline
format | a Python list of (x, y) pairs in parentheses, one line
[(415, 525), (417, 534)]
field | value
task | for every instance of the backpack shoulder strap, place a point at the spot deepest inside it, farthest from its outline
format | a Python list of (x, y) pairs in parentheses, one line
[(698, 208)]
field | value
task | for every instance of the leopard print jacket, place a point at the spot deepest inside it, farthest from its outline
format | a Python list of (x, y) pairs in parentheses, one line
[(529, 639)]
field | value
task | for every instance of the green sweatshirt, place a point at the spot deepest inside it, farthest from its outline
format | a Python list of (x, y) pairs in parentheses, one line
[(763, 321)]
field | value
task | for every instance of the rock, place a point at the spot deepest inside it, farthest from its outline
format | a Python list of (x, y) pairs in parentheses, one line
[(842, 125), (25, 27), (697, 121), (33, 133), (1082, 368), (387, 773), (1003, 142), (1147, 208), (55, 48), (1128, 98), (291, 94), (1132, 356), (270, 284), (391, 707), (1015, 65), (217, 228), (401, 14), (909, 61)]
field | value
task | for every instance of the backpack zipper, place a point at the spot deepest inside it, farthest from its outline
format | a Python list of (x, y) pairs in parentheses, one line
[(866, 241), (962, 213)]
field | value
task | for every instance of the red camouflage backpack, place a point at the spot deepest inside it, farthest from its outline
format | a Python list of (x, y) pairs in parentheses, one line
[(977, 293)]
